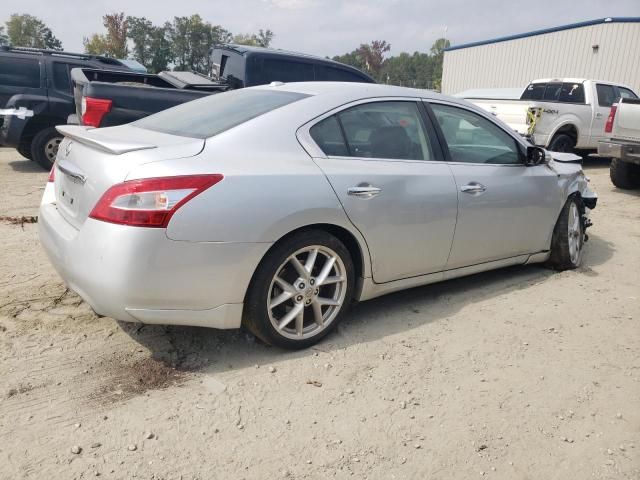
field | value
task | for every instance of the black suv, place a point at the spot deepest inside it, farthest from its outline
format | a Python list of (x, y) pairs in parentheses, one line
[(39, 81)]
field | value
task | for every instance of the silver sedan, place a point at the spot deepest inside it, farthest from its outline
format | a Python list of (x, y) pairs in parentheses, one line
[(277, 207)]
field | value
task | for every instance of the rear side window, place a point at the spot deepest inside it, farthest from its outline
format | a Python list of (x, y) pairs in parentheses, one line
[(391, 130), (552, 92), (328, 136), (626, 93), (330, 74), (216, 113), (19, 72), (534, 91), (606, 95), (572, 93), (276, 70)]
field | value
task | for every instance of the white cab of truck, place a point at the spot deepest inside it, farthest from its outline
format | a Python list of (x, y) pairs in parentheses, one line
[(560, 114), (622, 143)]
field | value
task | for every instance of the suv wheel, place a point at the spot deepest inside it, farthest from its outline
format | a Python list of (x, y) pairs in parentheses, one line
[(24, 149), (624, 175), (562, 143), (44, 147)]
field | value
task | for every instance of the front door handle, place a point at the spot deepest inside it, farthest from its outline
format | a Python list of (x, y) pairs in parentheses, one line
[(473, 188), (364, 191)]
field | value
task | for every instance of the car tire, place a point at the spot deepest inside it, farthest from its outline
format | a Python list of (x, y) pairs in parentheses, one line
[(44, 147), (24, 149), (562, 143), (624, 174), (280, 288), (568, 238)]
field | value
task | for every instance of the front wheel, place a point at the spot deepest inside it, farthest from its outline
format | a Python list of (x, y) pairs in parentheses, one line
[(44, 147), (300, 290), (624, 175), (568, 237)]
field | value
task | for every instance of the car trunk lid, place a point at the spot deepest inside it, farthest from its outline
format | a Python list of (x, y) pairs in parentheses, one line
[(91, 160)]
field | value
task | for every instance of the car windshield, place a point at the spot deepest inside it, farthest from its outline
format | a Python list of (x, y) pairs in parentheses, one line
[(214, 114)]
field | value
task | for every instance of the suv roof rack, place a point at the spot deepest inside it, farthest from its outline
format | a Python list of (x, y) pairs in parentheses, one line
[(60, 53)]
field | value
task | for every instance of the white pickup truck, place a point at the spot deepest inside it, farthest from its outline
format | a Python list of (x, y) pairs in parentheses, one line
[(560, 114), (622, 143)]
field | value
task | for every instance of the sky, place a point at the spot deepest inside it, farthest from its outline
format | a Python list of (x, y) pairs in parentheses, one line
[(332, 27)]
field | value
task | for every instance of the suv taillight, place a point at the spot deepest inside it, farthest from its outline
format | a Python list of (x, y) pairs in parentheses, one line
[(608, 127), (94, 110), (150, 202)]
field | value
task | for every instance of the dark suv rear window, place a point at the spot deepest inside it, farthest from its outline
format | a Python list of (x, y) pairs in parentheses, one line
[(19, 72), (216, 113), (572, 93)]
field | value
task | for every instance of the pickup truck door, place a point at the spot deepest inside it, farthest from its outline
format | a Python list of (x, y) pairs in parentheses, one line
[(605, 96), (392, 183), (505, 209)]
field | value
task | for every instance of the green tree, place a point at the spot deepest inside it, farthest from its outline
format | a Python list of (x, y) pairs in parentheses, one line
[(114, 42), (29, 31), (437, 52), (151, 44), (191, 40), (372, 55), (262, 39), (4, 40), (352, 59)]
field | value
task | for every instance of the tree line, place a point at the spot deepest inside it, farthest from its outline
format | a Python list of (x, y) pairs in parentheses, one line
[(183, 44)]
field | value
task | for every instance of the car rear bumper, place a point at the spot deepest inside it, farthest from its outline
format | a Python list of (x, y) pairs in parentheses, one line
[(138, 274), (627, 151)]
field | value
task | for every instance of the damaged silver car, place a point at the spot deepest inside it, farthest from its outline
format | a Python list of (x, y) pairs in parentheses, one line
[(276, 207)]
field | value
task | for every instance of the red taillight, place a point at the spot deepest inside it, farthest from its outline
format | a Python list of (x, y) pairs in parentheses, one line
[(94, 110), (150, 202), (52, 173), (608, 127)]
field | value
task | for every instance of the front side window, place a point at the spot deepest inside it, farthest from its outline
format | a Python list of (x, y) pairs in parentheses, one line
[(572, 93), (472, 138), (606, 95), (626, 93), (216, 113), (391, 130)]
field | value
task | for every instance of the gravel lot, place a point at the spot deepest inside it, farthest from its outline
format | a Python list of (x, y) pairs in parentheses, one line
[(521, 373)]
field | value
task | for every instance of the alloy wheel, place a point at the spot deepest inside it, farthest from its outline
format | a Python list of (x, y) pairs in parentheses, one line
[(307, 292), (574, 234), (51, 148)]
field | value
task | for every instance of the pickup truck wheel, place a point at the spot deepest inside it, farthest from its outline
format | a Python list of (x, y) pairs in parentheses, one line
[(24, 149), (568, 236), (562, 143), (44, 147), (624, 174)]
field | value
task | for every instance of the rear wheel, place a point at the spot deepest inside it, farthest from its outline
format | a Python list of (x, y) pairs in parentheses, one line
[(624, 174), (562, 143), (568, 236), (300, 290), (44, 147), (24, 149)]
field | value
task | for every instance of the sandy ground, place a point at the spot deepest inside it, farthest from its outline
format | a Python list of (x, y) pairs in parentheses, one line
[(521, 373)]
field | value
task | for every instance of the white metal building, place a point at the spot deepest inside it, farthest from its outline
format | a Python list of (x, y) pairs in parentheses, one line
[(603, 49)]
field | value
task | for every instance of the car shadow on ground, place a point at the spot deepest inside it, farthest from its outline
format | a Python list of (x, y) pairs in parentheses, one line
[(191, 349), (26, 166)]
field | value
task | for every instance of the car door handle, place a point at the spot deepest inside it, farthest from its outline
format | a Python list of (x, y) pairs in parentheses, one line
[(367, 191), (473, 187), (598, 115)]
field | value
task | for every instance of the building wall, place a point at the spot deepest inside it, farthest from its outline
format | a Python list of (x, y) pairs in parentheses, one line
[(565, 53)]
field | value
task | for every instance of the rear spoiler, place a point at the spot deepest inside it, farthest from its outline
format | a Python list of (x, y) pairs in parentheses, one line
[(91, 136)]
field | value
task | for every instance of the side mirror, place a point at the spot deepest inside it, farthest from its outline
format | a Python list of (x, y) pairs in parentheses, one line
[(535, 156)]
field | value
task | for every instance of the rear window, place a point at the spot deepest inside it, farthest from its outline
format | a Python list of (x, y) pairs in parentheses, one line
[(19, 72), (606, 95), (552, 92), (214, 114), (534, 91), (572, 93)]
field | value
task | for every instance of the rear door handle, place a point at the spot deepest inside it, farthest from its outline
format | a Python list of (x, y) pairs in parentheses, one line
[(598, 115), (367, 191), (473, 187)]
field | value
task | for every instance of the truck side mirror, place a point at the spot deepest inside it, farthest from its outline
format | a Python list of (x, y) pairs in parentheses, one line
[(535, 156)]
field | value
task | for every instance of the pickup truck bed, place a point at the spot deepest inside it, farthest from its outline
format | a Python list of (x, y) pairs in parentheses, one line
[(132, 95)]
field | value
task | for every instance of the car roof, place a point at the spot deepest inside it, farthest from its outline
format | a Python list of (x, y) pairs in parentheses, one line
[(356, 90)]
